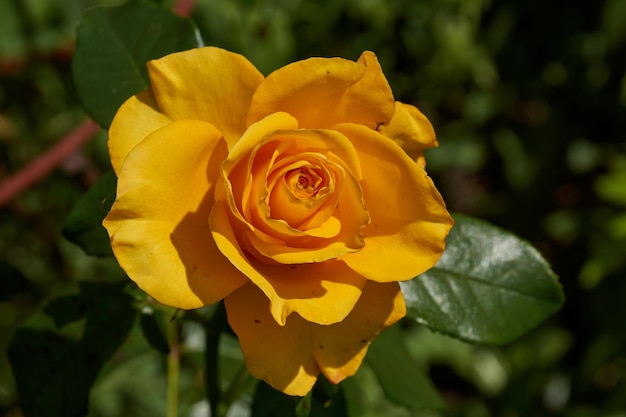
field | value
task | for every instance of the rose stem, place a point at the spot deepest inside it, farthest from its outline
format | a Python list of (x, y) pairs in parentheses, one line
[(44, 164), (173, 368), (213, 330)]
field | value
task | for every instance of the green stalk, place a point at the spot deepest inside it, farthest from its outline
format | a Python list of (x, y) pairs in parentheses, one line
[(173, 368), (213, 330)]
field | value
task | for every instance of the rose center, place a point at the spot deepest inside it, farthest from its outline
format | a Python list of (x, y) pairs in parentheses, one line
[(302, 190), (306, 182)]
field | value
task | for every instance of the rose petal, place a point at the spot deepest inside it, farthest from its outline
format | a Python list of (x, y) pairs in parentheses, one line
[(340, 348), (410, 129), (350, 213), (303, 208), (158, 223), (321, 92), (241, 184), (136, 118), (245, 174), (279, 355), (290, 357), (323, 293), (209, 84), (409, 218)]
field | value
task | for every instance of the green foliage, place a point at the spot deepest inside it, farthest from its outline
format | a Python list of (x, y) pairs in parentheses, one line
[(488, 287), (125, 38), (325, 400), (402, 379), (527, 99), (70, 366), (84, 224), (150, 320)]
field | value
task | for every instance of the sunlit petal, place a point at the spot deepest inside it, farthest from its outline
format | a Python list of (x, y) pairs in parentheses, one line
[(410, 129), (290, 357), (321, 92), (136, 118), (209, 84), (409, 218), (320, 292), (159, 221)]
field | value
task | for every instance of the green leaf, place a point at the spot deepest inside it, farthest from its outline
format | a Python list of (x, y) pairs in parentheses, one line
[(488, 287), (49, 375), (401, 378), (84, 224), (328, 399), (149, 320), (113, 45), (66, 309), (303, 406), (12, 282), (324, 400), (269, 402), (54, 374)]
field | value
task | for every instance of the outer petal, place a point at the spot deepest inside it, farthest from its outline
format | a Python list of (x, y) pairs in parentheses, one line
[(409, 218), (209, 84), (322, 293), (136, 118), (290, 357), (158, 223), (411, 130), (321, 92), (340, 348), (280, 355)]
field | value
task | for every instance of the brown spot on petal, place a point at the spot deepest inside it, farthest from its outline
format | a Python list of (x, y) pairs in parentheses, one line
[(257, 321)]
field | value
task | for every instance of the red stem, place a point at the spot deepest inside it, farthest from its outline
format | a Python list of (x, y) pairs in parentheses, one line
[(184, 7), (46, 163)]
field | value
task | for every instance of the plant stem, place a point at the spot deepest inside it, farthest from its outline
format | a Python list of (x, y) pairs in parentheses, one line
[(173, 368), (237, 382), (213, 330), (41, 166), (183, 8)]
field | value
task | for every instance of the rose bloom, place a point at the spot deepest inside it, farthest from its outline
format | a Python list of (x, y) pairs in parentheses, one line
[(290, 197)]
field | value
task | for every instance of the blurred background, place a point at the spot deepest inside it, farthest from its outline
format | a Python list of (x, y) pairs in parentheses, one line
[(528, 99)]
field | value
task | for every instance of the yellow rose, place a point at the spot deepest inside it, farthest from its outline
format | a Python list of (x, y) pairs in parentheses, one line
[(279, 195)]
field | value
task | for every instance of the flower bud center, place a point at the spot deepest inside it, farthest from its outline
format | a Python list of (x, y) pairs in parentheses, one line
[(307, 182)]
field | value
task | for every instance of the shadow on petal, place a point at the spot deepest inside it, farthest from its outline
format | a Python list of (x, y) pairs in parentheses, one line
[(211, 276), (279, 355), (339, 349)]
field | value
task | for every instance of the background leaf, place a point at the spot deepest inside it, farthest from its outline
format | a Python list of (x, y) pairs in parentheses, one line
[(325, 400), (269, 402), (402, 379), (54, 374), (84, 224), (49, 374), (149, 320), (125, 38), (489, 286), (12, 283)]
